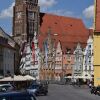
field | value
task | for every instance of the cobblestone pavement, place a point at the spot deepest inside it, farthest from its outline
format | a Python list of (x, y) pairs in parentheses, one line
[(68, 92)]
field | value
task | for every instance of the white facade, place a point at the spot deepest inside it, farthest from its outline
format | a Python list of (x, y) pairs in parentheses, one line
[(8, 61), (7, 53), (88, 70), (29, 64), (78, 63), (58, 58)]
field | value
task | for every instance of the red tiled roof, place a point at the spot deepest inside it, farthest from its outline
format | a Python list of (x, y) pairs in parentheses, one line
[(68, 30), (97, 16)]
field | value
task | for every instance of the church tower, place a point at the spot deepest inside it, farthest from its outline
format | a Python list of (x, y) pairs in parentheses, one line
[(25, 20)]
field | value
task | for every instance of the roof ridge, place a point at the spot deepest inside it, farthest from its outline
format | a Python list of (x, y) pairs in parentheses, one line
[(52, 14)]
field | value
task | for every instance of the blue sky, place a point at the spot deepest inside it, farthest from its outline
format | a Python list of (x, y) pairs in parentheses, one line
[(74, 8)]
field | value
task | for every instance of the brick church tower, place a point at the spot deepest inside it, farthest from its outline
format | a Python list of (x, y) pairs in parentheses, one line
[(25, 20)]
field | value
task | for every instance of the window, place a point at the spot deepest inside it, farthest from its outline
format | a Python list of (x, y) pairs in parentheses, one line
[(58, 53), (69, 57), (1, 50), (85, 68), (89, 60), (89, 67), (31, 15), (66, 65), (89, 46), (89, 52), (64, 57), (79, 59)]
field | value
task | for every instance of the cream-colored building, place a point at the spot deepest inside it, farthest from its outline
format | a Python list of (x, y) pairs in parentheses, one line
[(58, 62)]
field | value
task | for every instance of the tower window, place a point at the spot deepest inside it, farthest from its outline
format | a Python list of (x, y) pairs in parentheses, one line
[(31, 15), (89, 67)]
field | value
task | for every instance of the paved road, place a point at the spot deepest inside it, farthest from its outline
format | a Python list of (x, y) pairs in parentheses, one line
[(67, 92)]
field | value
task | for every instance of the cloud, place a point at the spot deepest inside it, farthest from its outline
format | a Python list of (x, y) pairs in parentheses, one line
[(7, 12), (47, 3), (91, 27), (44, 4), (62, 12), (89, 12)]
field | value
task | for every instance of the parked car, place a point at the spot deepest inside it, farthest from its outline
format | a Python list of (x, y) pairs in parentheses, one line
[(93, 90), (6, 87), (38, 89), (17, 96), (97, 90)]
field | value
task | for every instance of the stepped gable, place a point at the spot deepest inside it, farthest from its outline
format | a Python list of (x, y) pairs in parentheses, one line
[(68, 30)]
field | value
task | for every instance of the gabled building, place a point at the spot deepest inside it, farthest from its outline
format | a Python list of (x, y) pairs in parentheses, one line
[(47, 67), (69, 31), (7, 54), (68, 62), (58, 62), (65, 30), (88, 69), (78, 64), (14, 45), (30, 60)]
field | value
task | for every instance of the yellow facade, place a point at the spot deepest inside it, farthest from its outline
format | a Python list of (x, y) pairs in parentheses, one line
[(96, 75), (96, 52), (96, 59)]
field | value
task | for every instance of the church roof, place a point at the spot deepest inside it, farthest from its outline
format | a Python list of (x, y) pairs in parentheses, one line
[(69, 31)]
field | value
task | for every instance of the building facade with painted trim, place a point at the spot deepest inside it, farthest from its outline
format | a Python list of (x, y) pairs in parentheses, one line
[(88, 69)]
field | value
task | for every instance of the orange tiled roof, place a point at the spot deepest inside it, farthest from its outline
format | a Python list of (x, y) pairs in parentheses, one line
[(68, 30)]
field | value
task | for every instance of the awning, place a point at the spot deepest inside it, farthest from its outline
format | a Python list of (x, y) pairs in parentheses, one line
[(18, 78)]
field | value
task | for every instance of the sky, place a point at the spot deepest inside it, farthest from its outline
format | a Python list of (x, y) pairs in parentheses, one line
[(83, 9)]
